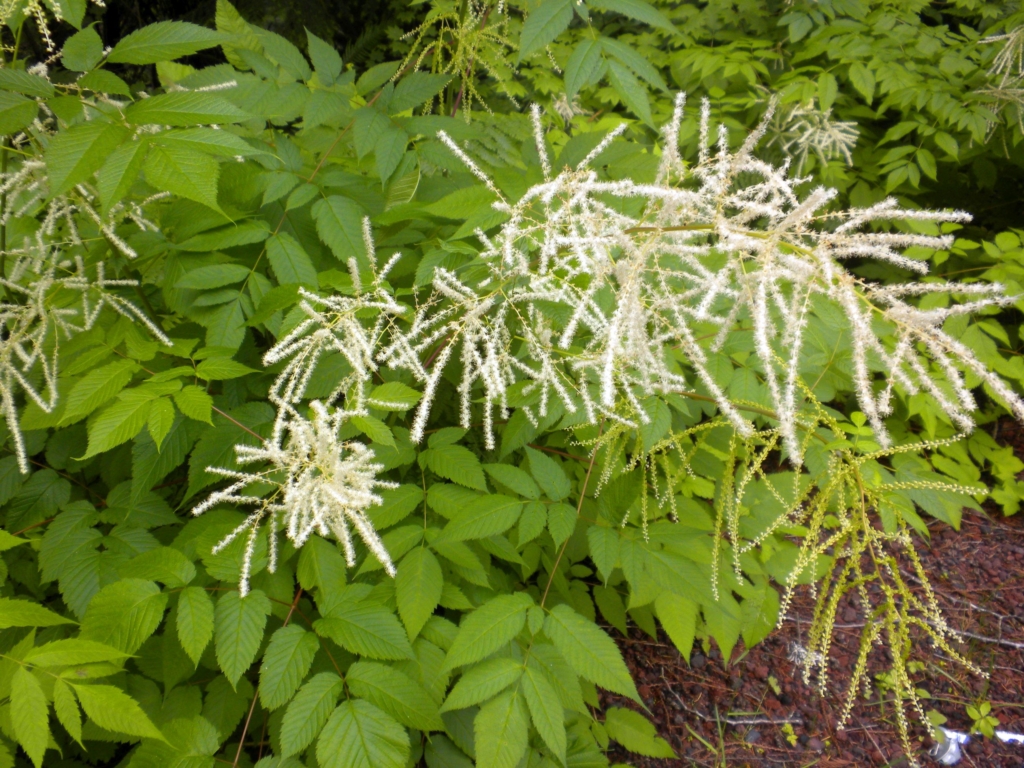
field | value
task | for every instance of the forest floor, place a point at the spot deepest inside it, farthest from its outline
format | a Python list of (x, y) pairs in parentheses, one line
[(740, 715)]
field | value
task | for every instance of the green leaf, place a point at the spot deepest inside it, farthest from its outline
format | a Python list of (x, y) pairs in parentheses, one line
[(28, 712), (20, 81), (120, 172), (66, 708), (221, 369), (389, 150), (184, 172), (415, 89), (628, 88), (481, 682), (195, 403), (326, 61), (102, 81), (82, 51), (238, 631), (863, 80), (545, 710), (321, 565), (16, 112), (584, 64), (118, 423), (289, 261), (636, 9), (484, 516), (214, 276), (367, 629), (488, 628), (183, 108), (418, 588), (75, 154), (393, 396), (163, 564), (634, 62), (636, 733), (215, 142), (456, 463), (548, 474), (395, 693), (124, 614), (679, 618), (828, 89), (22, 613), (604, 548), (501, 730), (160, 419), (543, 25), (164, 41), (286, 661), (359, 735), (589, 651), (339, 224), (308, 711), (561, 522), (513, 478), (375, 429), (115, 710)]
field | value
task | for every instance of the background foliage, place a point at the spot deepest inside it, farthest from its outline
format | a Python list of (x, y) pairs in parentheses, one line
[(125, 639)]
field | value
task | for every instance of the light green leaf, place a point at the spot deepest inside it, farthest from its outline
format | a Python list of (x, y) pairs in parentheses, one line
[(484, 516), (604, 548), (213, 276), (28, 713), (481, 682), (589, 651), (561, 522), (633, 61), (501, 730), (111, 708), (546, 22), (66, 708), (548, 474), (679, 618), (326, 61), (393, 396), (183, 108), (120, 171), (545, 710), (308, 711), (636, 733), (456, 463), (219, 143), (584, 64), (289, 261), (221, 369), (513, 478), (415, 89), (163, 41), (195, 403), (359, 735), (238, 631), (124, 614), (82, 51), (238, 31), (160, 419), (395, 693), (118, 423), (628, 88), (375, 429), (286, 661), (863, 80), (418, 588), (339, 224), (636, 9), (184, 172), (367, 629), (164, 564), (389, 150), (22, 613), (828, 89), (102, 81), (75, 154), (488, 628), (20, 81), (16, 112)]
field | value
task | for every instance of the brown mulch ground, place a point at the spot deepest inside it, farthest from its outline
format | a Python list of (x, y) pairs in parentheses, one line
[(978, 575)]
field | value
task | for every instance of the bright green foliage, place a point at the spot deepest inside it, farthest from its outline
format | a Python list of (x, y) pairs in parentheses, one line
[(220, 201)]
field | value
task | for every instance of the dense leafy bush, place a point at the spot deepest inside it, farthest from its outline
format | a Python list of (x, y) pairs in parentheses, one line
[(340, 401)]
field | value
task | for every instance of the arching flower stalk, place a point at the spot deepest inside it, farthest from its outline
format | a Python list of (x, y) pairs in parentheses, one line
[(318, 484), (50, 298), (597, 306)]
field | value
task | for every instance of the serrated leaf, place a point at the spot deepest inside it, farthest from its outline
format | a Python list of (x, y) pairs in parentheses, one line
[(548, 474), (484, 516), (28, 712), (184, 172), (863, 80), (636, 9), (501, 730), (415, 89), (389, 150), (367, 629), (546, 22), (589, 651), (375, 429), (160, 419), (82, 51), (287, 660), (22, 613), (481, 682), (195, 403), (289, 261), (395, 693), (561, 522), (124, 614), (604, 548), (20, 81), (636, 733), (219, 143), (489, 627), (102, 81), (308, 711), (339, 224), (163, 564), (585, 62), (545, 711), (183, 108), (238, 31), (163, 41), (418, 588), (679, 618), (117, 423), (628, 88), (458, 464), (393, 396), (359, 735), (221, 369), (66, 708), (15, 112), (513, 478), (120, 171), (326, 61), (238, 631), (113, 709), (75, 154), (213, 276)]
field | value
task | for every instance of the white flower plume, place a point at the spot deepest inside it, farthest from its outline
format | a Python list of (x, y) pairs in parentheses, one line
[(586, 300), (318, 484)]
